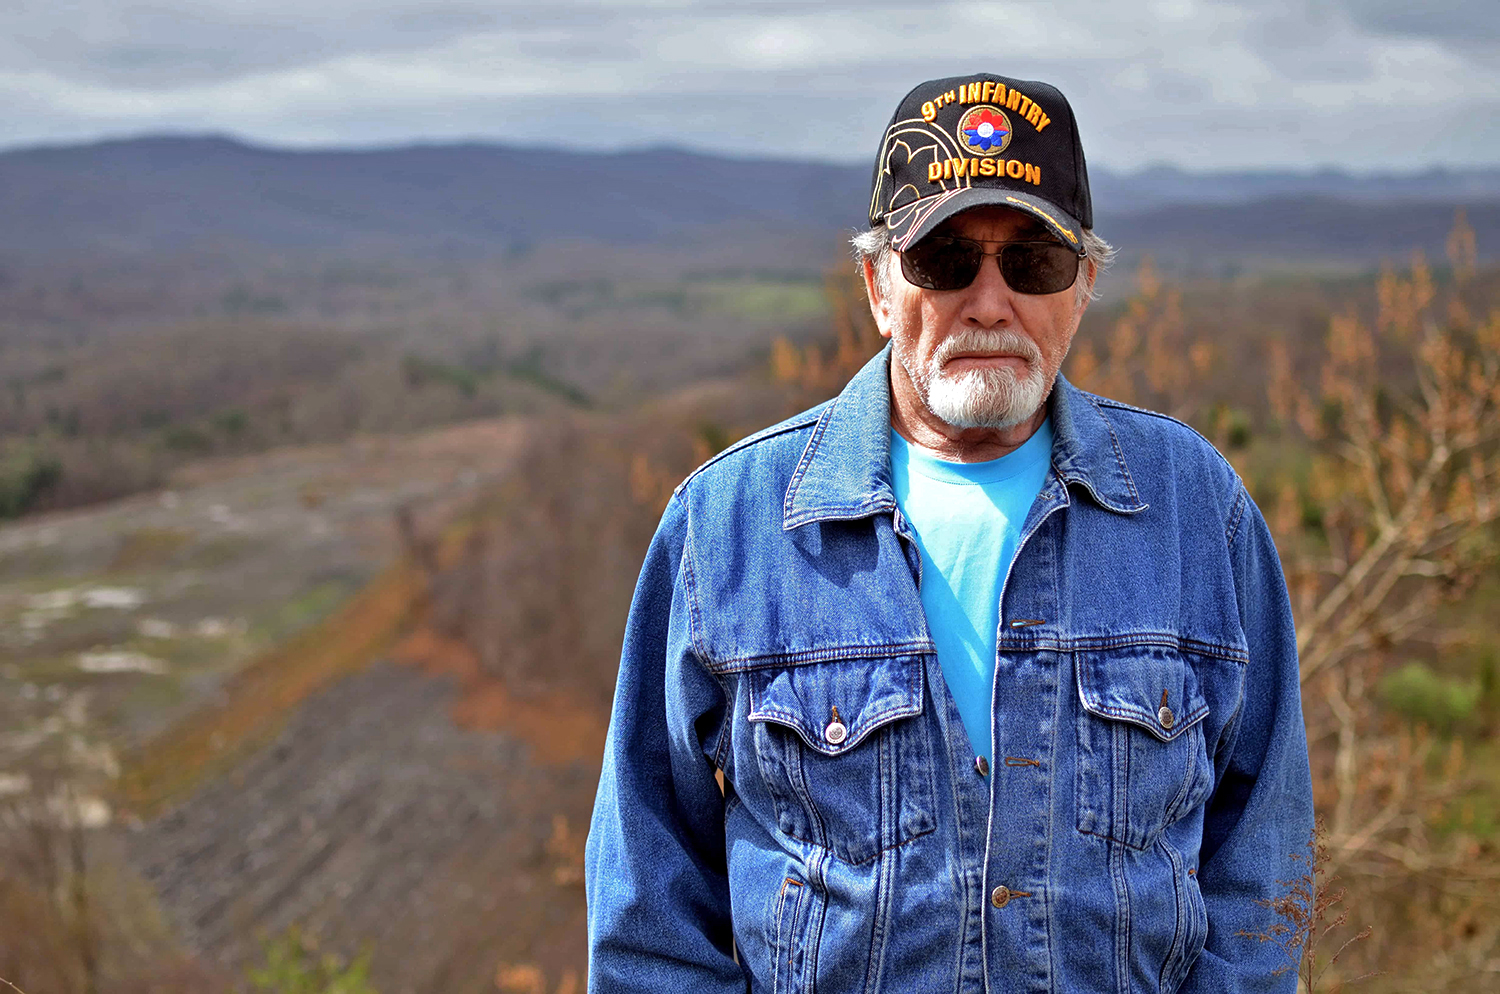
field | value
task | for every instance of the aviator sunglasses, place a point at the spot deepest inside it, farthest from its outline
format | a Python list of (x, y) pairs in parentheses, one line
[(946, 262)]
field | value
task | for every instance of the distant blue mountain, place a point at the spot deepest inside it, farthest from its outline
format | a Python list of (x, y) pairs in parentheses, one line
[(1122, 194), (182, 194), (164, 194)]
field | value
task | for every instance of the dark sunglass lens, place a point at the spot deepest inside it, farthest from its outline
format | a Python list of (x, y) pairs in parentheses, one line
[(941, 263), (1038, 267)]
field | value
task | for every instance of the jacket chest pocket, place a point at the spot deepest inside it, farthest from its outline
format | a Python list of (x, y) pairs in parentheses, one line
[(844, 754), (1142, 761)]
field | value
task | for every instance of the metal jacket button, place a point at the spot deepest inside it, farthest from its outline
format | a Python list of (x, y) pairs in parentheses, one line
[(836, 732), (981, 766), (1164, 714), (1000, 896)]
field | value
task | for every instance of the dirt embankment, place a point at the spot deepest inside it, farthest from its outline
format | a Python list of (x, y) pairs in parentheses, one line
[(374, 818)]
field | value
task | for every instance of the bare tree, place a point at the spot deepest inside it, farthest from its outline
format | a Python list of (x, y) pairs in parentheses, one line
[(1404, 482), (1381, 476)]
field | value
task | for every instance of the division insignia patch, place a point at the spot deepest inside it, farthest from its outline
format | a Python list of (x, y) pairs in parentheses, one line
[(984, 130)]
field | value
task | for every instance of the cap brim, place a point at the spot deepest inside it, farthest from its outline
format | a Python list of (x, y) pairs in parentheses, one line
[(912, 222)]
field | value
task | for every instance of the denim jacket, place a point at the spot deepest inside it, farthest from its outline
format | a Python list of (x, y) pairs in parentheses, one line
[(1150, 778)]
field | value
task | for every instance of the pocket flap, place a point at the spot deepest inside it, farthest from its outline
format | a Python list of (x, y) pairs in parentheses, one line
[(1152, 687), (867, 693)]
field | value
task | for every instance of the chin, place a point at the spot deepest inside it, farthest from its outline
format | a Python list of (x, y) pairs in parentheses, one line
[(987, 398)]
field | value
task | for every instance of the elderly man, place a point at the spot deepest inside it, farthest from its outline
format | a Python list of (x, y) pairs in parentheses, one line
[(998, 678)]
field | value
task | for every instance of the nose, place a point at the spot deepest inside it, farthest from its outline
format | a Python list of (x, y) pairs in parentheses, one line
[(987, 301)]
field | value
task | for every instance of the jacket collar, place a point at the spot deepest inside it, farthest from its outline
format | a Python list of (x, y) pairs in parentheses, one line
[(845, 470)]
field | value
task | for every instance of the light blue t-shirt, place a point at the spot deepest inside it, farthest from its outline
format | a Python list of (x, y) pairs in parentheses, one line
[(968, 519)]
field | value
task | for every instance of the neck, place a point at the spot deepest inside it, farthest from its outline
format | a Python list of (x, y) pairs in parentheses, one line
[(917, 424)]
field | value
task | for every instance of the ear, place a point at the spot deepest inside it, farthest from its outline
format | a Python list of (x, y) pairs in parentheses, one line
[(879, 307)]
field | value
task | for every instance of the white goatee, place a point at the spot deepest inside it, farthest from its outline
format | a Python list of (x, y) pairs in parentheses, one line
[(977, 398)]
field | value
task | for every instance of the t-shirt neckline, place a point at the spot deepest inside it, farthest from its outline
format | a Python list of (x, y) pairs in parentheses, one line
[(926, 463)]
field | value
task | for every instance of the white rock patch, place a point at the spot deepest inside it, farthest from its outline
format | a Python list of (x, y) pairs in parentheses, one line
[(156, 628), (120, 662), (119, 598)]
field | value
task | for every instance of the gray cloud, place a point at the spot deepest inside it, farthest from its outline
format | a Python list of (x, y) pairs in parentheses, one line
[(1201, 83), (165, 45), (1462, 23)]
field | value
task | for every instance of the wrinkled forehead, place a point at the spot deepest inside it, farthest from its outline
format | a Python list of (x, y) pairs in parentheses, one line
[(999, 224)]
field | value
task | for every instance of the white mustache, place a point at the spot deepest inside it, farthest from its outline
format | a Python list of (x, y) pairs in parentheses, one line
[(990, 342)]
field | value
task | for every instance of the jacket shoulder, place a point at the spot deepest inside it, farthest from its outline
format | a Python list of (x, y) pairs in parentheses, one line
[(1168, 455), (1154, 427)]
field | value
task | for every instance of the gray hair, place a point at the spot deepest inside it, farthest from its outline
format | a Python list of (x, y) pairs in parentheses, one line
[(874, 244)]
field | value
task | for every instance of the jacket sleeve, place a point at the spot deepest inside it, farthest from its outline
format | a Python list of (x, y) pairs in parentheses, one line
[(1261, 812), (658, 892)]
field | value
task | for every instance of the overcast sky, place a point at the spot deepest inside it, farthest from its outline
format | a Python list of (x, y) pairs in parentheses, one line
[(1365, 84)]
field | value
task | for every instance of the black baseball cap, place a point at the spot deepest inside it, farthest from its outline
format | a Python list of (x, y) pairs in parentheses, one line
[(978, 140)]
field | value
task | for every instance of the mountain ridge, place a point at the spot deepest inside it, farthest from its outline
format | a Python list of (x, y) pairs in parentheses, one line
[(157, 195)]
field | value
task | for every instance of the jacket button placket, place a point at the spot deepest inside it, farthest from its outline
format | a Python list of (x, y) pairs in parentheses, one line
[(1026, 703)]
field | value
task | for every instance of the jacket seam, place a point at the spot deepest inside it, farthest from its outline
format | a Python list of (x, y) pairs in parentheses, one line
[(1236, 514), (690, 582), (1230, 732), (1122, 406), (1138, 717), (1093, 644), (1178, 950), (881, 926), (869, 723), (695, 625), (860, 862), (741, 664)]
